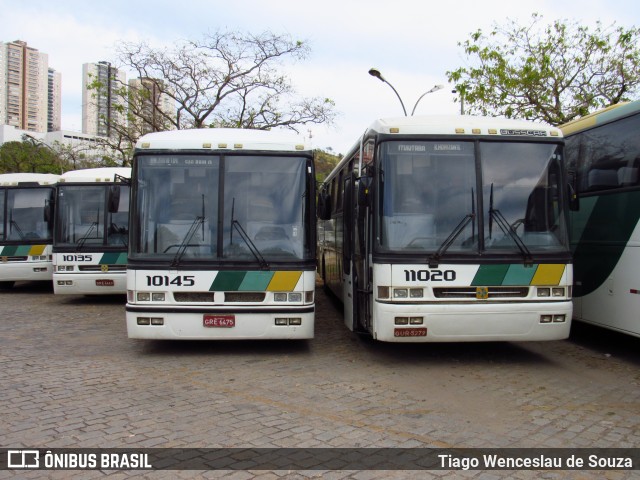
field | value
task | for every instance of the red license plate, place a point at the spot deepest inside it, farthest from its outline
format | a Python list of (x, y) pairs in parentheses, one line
[(410, 332), (219, 321), (105, 283)]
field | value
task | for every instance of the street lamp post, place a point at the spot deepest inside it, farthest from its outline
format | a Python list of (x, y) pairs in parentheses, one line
[(374, 72)]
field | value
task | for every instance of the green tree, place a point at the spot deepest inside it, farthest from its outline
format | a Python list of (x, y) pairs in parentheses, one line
[(325, 163), (226, 79), (28, 156), (551, 72)]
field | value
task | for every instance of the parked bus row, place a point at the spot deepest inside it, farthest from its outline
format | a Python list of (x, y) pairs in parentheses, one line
[(430, 229), (68, 228)]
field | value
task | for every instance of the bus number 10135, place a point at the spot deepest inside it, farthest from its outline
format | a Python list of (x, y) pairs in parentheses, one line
[(430, 275)]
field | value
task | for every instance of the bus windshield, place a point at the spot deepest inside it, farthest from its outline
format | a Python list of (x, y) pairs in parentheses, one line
[(83, 220), (230, 208), (468, 197), (25, 219)]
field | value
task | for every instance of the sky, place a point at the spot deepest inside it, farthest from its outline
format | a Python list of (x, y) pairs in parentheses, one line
[(412, 42)]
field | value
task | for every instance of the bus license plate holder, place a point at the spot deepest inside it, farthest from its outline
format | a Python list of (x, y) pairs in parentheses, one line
[(219, 321), (410, 332)]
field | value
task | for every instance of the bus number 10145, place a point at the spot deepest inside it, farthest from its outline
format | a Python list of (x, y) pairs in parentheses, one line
[(430, 275), (165, 281)]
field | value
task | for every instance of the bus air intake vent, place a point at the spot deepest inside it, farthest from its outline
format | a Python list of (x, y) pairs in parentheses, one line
[(244, 297), (195, 297)]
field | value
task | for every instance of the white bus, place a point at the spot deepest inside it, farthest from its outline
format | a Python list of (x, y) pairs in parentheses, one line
[(91, 232), (603, 155), (222, 242), (449, 229), (26, 225)]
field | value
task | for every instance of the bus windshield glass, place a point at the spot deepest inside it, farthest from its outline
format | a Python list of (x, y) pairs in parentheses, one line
[(228, 208), (430, 200), (25, 218), (83, 219)]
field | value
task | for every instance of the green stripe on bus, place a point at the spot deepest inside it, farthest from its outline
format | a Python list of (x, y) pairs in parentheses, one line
[(9, 250), (519, 274), (490, 275), (114, 258), (227, 281), (256, 281), (23, 250)]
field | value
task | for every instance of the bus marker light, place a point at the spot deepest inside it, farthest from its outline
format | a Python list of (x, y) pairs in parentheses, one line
[(383, 292), (308, 297)]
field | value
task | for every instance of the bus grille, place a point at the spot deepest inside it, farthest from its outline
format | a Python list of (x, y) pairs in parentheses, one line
[(200, 297), (495, 293), (98, 268), (253, 297), (14, 259)]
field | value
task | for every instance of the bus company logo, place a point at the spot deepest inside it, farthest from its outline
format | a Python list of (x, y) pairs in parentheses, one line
[(482, 293), (23, 459), (104, 268)]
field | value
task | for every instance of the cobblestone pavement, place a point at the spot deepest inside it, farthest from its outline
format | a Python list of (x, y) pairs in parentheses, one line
[(71, 378)]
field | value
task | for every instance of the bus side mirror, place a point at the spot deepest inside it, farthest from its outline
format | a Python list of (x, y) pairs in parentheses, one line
[(364, 188), (324, 206), (114, 198)]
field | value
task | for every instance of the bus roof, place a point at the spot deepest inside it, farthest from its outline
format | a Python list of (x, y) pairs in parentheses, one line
[(16, 179), (234, 139), (462, 125), (95, 175), (606, 115)]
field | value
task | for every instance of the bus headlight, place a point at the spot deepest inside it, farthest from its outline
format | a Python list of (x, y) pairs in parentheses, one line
[(143, 296), (400, 293), (557, 292), (544, 292), (157, 297)]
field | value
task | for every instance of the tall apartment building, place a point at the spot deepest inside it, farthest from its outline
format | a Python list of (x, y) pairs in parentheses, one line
[(98, 105), (156, 110), (54, 101), (24, 87)]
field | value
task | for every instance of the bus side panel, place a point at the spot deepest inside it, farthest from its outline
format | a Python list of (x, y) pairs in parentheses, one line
[(616, 303)]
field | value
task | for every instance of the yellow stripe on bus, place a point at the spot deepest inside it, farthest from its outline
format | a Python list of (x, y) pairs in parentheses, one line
[(284, 281), (37, 249), (548, 274)]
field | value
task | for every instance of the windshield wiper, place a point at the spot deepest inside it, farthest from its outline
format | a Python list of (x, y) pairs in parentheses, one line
[(495, 214), (199, 220), (85, 237), (16, 227), (243, 234), (435, 258)]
